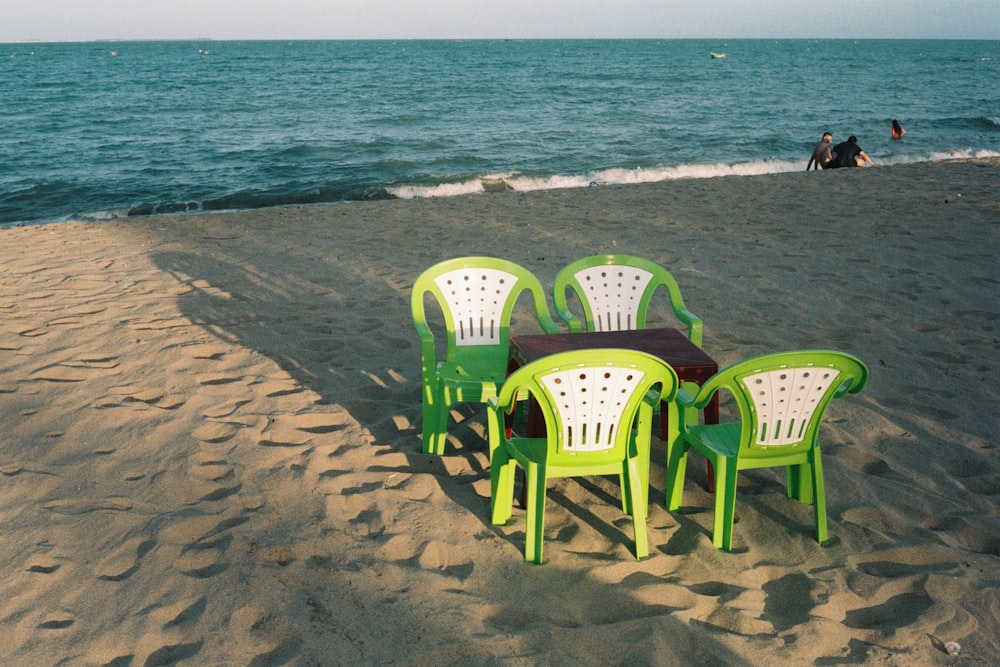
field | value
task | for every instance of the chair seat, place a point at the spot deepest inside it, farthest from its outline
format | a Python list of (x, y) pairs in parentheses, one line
[(719, 439), (535, 451), (464, 387)]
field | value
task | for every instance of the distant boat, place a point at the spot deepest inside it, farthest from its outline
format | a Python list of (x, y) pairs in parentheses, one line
[(718, 56)]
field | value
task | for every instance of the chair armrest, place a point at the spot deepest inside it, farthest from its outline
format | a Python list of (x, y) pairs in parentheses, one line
[(685, 397), (546, 322), (573, 323), (694, 324)]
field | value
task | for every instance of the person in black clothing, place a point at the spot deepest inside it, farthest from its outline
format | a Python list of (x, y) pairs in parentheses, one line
[(849, 154)]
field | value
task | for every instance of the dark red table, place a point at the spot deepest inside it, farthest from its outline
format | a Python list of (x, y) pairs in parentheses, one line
[(687, 359)]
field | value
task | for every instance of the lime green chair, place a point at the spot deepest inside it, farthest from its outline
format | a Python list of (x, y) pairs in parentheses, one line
[(598, 406), (781, 398), (615, 292), (476, 296)]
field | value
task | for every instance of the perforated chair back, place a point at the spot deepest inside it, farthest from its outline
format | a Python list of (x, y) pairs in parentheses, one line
[(615, 292), (786, 400)]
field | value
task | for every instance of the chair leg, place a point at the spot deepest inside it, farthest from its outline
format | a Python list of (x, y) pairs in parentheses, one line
[(636, 470), (819, 502), (534, 532), (435, 423), (676, 471), (800, 482), (501, 486), (639, 503), (625, 483), (725, 504)]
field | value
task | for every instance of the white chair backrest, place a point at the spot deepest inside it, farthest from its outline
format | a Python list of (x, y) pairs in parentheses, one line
[(785, 401), (590, 403), (614, 293), (476, 298)]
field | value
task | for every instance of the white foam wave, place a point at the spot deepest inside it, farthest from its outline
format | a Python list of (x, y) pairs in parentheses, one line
[(621, 176), (616, 176), (440, 190)]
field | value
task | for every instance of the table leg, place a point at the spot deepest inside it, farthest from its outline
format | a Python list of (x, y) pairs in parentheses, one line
[(711, 417)]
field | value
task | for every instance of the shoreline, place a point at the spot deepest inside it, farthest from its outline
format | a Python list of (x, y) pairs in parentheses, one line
[(212, 454), (490, 183)]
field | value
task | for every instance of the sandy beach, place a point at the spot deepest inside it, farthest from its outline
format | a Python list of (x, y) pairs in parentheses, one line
[(211, 436)]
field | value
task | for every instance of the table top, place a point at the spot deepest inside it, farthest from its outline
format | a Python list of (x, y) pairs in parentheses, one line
[(671, 345)]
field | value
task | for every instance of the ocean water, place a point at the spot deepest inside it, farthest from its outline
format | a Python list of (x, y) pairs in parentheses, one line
[(104, 130)]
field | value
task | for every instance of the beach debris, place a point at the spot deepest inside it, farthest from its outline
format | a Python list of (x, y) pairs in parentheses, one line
[(495, 185), (952, 648)]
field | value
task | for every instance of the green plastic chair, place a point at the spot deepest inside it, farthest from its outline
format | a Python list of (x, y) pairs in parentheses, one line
[(615, 292), (598, 407), (781, 399), (476, 296)]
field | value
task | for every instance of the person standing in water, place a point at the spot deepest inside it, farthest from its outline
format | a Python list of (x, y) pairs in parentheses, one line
[(897, 129)]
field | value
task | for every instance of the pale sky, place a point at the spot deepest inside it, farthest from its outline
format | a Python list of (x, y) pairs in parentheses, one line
[(85, 20)]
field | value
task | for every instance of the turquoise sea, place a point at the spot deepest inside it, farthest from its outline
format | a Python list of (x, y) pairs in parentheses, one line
[(104, 130)]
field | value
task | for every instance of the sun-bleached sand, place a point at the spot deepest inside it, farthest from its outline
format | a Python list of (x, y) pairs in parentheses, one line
[(211, 437)]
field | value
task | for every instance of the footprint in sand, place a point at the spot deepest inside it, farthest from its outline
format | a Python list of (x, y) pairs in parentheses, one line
[(167, 652), (971, 475), (973, 532), (213, 472), (202, 563), (180, 613), (214, 379), (359, 513), (59, 374), (297, 430), (215, 432), (414, 487), (445, 559), (199, 531), (864, 461), (899, 611), (323, 422), (154, 397), (41, 564), (214, 478), (225, 409), (123, 563), (87, 505), (262, 637), (99, 363), (400, 548), (275, 388), (58, 620)]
